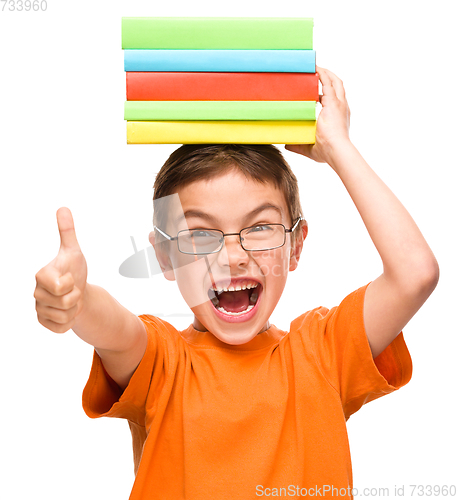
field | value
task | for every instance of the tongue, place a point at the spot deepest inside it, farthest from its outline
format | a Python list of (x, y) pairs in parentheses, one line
[(235, 301)]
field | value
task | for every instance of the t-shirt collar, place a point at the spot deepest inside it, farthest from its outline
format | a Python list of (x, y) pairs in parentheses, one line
[(264, 339)]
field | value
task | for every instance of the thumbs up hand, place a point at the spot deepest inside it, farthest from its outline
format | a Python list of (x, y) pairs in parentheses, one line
[(61, 284)]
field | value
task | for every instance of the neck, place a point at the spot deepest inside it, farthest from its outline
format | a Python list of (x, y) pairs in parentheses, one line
[(201, 328)]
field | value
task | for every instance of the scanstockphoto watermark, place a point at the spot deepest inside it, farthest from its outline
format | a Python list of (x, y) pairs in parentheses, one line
[(143, 263), (329, 491), (298, 491), (23, 5), (181, 246)]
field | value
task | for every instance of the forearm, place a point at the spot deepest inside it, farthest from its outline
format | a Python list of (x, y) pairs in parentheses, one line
[(103, 322), (407, 258)]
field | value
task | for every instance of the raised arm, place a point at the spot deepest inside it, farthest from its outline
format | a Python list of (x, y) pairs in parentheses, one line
[(410, 270), (65, 300)]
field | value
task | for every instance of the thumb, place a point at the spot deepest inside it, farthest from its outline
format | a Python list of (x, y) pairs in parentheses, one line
[(66, 227), (302, 149)]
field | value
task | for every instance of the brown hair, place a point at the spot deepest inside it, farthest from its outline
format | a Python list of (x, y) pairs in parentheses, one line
[(193, 162)]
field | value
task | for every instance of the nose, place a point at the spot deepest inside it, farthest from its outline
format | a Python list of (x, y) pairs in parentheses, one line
[(232, 254)]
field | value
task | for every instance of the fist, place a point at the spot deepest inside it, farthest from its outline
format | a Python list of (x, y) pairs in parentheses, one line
[(61, 284), (333, 124)]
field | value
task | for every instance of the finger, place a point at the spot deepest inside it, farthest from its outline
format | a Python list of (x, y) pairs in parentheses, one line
[(52, 280), (63, 302), (337, 84), (327, 101), (55, 315), (66, 227), (56, 327), (326, 82)]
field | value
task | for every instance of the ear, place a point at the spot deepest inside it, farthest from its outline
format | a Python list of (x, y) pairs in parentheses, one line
[(162, 256), (296, 247)]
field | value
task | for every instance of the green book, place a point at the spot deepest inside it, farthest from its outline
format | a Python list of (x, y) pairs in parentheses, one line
[(217, 33), (219, 110)]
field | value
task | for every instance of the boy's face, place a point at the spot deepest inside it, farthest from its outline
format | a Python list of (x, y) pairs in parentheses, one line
[(231, 202)]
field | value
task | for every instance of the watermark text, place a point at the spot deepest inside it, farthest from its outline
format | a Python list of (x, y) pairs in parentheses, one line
[(328, 491)]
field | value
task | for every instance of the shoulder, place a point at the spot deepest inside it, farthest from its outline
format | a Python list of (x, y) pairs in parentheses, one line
[(162, 335), (311, 321), (156, 324), (348, 314)]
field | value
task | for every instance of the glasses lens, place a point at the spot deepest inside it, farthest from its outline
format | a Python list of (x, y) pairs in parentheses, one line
[(263, 237), (199, 241)]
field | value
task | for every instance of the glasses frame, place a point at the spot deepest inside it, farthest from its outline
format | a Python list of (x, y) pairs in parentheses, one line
[(223, 235)]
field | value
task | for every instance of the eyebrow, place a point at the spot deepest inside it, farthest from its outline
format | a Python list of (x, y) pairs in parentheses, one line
[(202, 215)]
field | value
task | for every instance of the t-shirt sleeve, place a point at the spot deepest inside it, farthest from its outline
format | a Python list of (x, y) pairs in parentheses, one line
[(102, 397), (341, 348)]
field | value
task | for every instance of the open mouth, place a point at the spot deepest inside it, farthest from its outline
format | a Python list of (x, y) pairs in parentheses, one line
[(236, 299)]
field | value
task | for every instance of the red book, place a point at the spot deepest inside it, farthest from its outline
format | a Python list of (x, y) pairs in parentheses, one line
[(182, 86)]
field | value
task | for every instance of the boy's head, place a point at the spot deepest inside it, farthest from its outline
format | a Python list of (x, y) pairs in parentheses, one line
[(228, 188)]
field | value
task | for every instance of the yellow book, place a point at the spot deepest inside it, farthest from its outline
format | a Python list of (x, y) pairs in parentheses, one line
[(221, 132)]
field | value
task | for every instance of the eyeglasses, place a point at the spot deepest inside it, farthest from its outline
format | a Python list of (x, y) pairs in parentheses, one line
[(256, 238)]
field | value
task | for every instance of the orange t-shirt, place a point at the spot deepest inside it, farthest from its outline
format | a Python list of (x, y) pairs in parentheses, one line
[(212, 421)]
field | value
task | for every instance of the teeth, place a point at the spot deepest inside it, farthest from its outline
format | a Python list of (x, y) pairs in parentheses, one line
[(235, 288), (235, 313), (254, 297)]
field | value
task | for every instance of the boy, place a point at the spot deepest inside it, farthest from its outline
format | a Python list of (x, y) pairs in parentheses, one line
[(232, 407)]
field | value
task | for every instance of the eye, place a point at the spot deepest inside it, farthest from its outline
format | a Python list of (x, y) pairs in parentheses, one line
[(201, 233), (259, 229)]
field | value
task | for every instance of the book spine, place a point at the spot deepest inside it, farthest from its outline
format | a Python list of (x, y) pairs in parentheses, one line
[(217, 33), (204, 86), (219, 110), (221, 132), (281, 61)]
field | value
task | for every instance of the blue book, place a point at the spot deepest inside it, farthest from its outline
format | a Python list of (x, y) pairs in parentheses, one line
[(278, 61)]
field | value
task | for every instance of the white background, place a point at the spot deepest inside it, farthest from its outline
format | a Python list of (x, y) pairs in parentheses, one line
[(63, 144)]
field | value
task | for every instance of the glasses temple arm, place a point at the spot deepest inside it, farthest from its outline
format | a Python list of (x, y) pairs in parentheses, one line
[(295, 225), (164, 234)]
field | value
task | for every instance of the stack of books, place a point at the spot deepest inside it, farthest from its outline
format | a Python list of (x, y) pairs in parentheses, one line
[(220, 80)]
